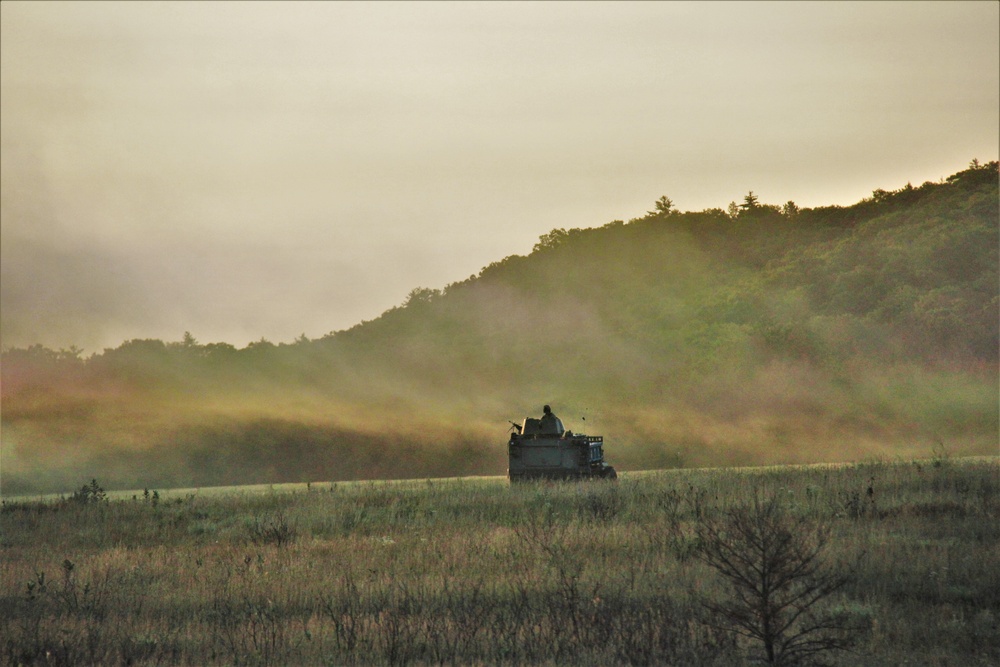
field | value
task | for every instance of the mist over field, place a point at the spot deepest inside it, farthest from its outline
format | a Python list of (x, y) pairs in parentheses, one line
[(759, 334)]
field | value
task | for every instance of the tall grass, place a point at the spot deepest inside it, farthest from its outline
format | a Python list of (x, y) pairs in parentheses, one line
[(478, 572)]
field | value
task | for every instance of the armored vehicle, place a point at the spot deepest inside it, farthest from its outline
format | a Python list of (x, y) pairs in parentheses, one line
[(541, 449)]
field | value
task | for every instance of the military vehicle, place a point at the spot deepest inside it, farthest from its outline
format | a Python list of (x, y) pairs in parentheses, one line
[(542, 449)]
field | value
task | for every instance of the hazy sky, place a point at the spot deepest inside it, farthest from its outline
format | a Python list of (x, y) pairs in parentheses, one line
[(248, 170)]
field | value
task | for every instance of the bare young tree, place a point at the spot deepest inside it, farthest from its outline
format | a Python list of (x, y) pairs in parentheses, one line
[(776, 576)]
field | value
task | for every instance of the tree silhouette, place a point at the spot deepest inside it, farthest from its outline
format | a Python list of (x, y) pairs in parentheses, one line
[(751, 202), (663, 206), (776, 578)]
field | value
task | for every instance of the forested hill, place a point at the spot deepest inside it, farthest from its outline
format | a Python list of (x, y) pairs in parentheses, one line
[(757, 334)]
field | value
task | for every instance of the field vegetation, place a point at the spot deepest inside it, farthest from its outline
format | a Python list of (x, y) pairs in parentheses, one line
[(879, 563)]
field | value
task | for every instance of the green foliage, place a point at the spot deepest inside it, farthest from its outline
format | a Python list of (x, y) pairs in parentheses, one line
[(551, 240), (691, 337), (663, 207), (89, 494)]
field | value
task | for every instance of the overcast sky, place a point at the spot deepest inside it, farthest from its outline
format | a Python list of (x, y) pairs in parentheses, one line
[(248, 170)]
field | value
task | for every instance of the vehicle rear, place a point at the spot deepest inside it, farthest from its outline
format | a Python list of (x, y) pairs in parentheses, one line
[(536, 454)]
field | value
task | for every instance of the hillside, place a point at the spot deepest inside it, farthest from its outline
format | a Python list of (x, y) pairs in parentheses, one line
[(758, 334)]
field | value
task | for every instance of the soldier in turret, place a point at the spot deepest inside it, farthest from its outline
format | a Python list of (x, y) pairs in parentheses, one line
[(549, 422)]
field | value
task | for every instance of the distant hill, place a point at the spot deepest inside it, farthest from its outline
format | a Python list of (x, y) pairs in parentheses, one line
[(756, 334)]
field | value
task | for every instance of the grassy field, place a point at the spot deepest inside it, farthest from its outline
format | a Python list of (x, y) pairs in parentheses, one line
[(901, 562)]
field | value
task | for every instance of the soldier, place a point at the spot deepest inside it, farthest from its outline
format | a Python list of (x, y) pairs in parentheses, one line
[(549, 422)]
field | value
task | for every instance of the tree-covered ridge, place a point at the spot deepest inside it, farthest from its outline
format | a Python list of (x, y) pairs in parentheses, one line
[(759, 333)]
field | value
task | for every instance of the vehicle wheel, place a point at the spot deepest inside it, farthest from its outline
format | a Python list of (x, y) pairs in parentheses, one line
[(609, 473)]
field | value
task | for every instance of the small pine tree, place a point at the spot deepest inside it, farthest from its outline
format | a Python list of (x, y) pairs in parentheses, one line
[(777, 579)]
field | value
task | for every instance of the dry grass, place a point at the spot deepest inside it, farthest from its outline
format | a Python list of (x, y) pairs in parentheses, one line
[(477, 572)]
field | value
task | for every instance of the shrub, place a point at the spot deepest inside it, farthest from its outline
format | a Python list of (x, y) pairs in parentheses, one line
[(776, 576), (89, 494), (272, 529)]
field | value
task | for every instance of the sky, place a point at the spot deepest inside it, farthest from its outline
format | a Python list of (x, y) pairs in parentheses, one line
[(266, 170)]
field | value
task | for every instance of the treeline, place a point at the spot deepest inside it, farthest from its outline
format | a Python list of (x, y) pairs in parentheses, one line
[(758, 333)]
